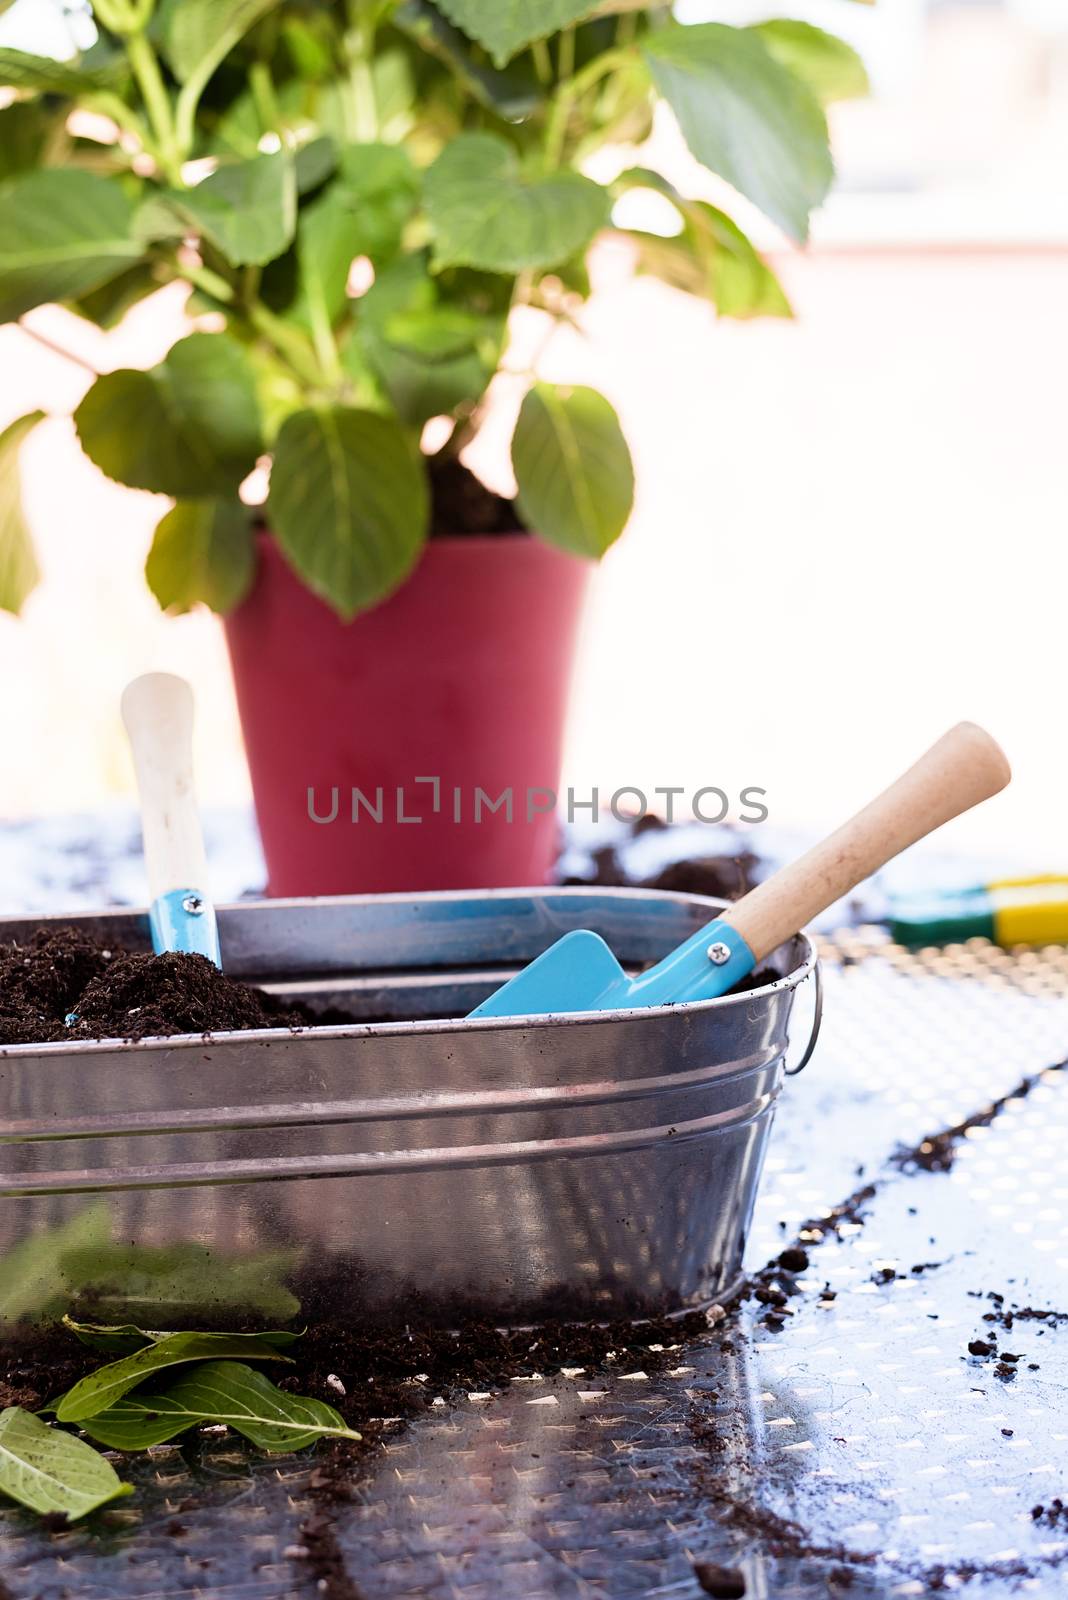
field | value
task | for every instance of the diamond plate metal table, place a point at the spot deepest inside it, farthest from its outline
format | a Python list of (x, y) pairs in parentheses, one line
[(860, 1447)]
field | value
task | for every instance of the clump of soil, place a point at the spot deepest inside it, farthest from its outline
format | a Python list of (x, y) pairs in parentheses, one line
[(460, 504), (139, 996), (111, 993), (726, 1583), (41, 982)]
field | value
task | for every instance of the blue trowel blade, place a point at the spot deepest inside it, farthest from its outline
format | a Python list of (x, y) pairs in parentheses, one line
[(577, 973), (580, 973)]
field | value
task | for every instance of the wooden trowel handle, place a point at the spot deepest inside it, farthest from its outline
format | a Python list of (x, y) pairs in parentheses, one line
[(158, 712), (963, 768)]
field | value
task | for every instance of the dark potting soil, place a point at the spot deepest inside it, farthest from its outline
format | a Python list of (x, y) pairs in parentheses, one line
[(461, 505), (115, 994), (112, 993)]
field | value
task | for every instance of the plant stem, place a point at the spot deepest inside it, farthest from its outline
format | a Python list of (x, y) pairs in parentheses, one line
[(543, 64), (287, 342), (566, 96), (359, 52), (565, 55), (109, 105), (266, 101), (146, 70)]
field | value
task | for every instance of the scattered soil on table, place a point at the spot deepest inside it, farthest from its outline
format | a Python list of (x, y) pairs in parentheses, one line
[(115, 994), (726, 1583), (726, 875), (318, 1536), (1005, 1316), (938, 1151), (400, 1374), (460, 504)]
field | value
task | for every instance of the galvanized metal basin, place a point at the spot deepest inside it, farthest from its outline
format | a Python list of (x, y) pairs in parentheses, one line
[(600, 1165)]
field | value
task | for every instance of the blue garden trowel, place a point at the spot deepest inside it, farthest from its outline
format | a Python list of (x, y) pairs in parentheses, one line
[(158, 712), (580, 973)]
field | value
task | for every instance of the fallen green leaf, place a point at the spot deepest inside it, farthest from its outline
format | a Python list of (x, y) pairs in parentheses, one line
[(124, 1338), (49, 1470), (219, 1391), (102, 1388)]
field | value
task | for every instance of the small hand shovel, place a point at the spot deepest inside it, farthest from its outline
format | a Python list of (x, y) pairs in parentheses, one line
[(580, 973), (158, 712)]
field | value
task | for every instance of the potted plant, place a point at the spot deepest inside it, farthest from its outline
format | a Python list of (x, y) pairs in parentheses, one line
[(358, 196)]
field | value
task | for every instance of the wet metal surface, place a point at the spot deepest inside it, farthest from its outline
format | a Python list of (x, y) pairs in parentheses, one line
[(861, 1447)]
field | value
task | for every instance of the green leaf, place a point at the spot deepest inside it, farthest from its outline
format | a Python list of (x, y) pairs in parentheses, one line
[(114, 1339), (246, 209), (20, 70), (24, 127), (202, 554), (349, 503), (219, 1391), (124, 1338), (362, 212), (49, 1470), (35, 1276), (721, 265), (198, 34), (512, 94), (573, 468), (487, 213), (313, 163), (433, 360), (507, 26), (711, 256), (745, 117), (189, 428), (102, 1388), (18, 567), (62, 233), (832, 69), (108, 305)]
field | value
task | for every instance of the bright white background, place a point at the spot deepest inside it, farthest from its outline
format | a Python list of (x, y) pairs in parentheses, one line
[(850, 529)]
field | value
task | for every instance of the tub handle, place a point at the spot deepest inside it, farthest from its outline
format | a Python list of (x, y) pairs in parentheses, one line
[(817, 1018)]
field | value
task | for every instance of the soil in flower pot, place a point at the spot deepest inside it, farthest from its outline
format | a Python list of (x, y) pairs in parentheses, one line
[(418, 746)]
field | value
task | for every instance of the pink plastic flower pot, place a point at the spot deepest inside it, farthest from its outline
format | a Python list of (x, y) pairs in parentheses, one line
[(461, 676)]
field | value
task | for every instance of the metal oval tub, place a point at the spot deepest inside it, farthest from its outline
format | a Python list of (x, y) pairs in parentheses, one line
[(598, 1165)]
